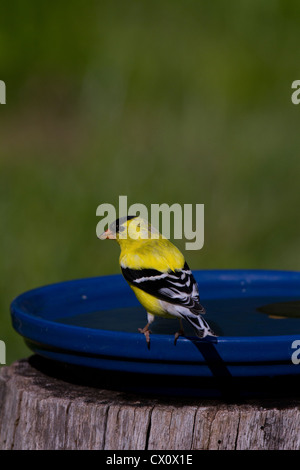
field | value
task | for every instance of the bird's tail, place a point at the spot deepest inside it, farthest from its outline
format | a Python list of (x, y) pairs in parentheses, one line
[(200, 326)]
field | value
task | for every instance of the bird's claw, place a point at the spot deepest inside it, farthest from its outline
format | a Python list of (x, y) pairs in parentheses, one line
[(146, 332), (177, 334)]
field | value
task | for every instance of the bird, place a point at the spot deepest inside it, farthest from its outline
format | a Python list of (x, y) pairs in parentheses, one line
[(158, 274)]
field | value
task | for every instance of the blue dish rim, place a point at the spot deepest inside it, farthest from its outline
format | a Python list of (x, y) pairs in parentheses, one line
[(229, 275)]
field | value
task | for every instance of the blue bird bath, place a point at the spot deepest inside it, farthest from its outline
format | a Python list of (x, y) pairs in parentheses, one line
[(91, 324)]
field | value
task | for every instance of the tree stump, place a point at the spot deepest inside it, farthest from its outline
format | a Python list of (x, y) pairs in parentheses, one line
[(39, 410)]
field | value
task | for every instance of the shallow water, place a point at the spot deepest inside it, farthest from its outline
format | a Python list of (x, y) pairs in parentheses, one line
[(253, 316)]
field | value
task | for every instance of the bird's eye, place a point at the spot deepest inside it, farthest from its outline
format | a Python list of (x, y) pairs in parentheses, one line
[(121, 229)]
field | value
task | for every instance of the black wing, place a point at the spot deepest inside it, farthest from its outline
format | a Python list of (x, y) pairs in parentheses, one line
[(176, 287)]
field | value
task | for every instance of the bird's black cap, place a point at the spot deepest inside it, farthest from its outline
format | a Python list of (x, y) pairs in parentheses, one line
[(115, 226)]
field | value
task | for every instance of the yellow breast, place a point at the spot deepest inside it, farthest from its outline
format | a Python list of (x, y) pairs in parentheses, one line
[(150, 303)]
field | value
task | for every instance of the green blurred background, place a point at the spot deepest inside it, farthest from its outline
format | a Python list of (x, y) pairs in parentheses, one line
[(162, 101)]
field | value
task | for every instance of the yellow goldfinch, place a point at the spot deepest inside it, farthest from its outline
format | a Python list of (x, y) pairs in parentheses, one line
[(158, 274)]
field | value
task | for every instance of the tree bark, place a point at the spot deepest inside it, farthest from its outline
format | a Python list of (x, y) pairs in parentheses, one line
[(41, 411)]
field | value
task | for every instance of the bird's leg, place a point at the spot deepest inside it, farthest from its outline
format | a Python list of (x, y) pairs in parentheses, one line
[(179, 332), (146, 330)]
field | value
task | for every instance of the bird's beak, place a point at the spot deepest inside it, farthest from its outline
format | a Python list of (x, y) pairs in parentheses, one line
[(107, 234)]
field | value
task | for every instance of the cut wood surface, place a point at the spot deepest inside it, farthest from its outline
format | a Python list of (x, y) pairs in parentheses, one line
[(40, 411)]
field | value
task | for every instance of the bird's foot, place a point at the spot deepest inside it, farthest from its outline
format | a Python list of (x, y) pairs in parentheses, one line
[(146, 332), (177, 334)]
